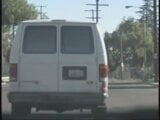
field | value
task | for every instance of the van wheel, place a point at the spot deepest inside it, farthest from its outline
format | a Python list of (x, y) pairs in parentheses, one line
[(99, 112), (20, 109)]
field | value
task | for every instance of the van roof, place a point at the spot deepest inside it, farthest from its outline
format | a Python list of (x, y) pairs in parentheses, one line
[(55, 21)]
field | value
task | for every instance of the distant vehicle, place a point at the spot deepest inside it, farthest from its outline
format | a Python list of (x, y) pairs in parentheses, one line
[(58, 65)]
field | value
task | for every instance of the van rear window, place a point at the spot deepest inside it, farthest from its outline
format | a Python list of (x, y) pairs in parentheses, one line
[(40, 40), (76, 40)]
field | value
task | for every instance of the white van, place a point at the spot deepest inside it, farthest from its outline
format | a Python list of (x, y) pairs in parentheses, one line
[(57, 65)]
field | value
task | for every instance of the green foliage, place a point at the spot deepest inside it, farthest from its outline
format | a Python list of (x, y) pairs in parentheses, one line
[(14, 11), (137, 43)]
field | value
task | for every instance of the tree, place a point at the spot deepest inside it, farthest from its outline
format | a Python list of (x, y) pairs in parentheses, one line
[(146, 13), (135, 44), (14, 11)]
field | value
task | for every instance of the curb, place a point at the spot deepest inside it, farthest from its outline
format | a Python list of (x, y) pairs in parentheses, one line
[(153, 83)]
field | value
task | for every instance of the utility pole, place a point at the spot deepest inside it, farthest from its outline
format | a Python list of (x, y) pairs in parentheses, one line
[(158, 41), (93, 17), (121, 49), (13, 31), (41, 11), (155, 42), (92, 14), (145, 24), (97, 5), (97, 8)]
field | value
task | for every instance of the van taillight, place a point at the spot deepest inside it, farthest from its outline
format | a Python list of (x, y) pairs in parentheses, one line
[(103, 70), (103, 73), (13, 72)]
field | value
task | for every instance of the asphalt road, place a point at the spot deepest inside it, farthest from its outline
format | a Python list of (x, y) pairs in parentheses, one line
[(126, 101)]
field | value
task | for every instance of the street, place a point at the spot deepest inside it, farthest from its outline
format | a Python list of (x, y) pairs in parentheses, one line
[(126, 101)]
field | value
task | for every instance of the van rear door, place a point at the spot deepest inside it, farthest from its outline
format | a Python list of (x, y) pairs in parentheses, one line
[(77, 59), (39, 58)]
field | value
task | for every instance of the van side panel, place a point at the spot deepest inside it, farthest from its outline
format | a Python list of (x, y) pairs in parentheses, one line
[(15, 57), (101, 55)]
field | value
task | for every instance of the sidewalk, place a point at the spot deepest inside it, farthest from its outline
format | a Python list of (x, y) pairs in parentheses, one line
[(134, 81), (114, 80), (153, 83)]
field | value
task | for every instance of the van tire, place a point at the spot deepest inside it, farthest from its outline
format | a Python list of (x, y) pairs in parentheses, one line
[(99, 112), (20, 109)]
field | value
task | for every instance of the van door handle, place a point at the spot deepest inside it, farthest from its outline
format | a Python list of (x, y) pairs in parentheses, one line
[(36, 82), (89, 82)]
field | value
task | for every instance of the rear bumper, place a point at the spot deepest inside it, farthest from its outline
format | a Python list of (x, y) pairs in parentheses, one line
[(54, 100)]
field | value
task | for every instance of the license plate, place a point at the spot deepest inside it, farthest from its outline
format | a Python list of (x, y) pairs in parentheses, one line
[(74, 73)]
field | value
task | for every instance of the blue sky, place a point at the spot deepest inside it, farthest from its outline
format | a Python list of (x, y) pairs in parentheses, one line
[(74, 10)]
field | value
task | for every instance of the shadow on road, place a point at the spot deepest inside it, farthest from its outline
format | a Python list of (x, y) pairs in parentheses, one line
[(140, 114), (143, 114)]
